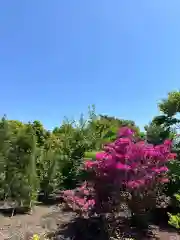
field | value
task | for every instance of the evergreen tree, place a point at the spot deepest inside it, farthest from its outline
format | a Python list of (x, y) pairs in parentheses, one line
[(5, 144), (21, 179), (31, 172)]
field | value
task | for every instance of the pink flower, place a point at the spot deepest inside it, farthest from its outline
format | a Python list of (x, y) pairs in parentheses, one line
[(88, 205), (86, 192), (79, 201), (120, 157), (172, 156), (136, 184), (89, 164), (125, 132), (68, 192), (83, 186), (91, 202), (108, 149), (141, 142), (103, 156), (122, 142), (150, 152), (134, 165), (141, 182), (159, 170), (168, 142), (121, 166), (132, 184), (100, 155), (164, 180)]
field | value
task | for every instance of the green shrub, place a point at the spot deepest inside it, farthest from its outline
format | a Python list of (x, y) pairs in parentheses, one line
[(49, 172), (174, 219)]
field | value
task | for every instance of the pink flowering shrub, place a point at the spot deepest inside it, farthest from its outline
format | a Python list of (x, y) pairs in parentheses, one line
[(124, 166)]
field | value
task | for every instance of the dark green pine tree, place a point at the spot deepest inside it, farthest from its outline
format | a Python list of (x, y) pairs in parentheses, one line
[(5, 144), (21, 176), (31, 173), (157, 133)]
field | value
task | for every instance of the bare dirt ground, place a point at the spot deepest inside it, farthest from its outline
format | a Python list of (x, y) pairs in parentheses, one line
[(164, 235), (23, 226), (46, 219)]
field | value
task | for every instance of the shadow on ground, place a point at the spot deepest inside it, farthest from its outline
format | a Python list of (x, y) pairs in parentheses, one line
[(94, 229)]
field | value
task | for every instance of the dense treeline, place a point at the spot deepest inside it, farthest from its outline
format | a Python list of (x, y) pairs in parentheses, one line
[(35, 161)]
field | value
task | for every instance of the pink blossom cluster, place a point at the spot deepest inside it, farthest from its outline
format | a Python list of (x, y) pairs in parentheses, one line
[(80, 198), (124, 165)]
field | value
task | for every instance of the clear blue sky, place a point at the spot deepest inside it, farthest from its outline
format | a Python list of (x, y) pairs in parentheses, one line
[(58, 56)]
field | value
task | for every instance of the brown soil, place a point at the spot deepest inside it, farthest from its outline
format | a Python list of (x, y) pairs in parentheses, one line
[(165, 235), (23, 226), (45, 219)]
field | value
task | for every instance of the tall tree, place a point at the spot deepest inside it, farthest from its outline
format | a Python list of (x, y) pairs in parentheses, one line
[(41, 133), (5, 146), (21, 178), (167, 124)]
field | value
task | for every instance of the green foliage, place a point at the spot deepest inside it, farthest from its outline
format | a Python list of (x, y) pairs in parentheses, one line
[(174, 219), (50, 172), (171, 105), (5, 146), (103, 129), (34, 160), (156, 134), (20, 169), (74, 144), (40, 133), (90, 155), (167, 125), (174, 171)]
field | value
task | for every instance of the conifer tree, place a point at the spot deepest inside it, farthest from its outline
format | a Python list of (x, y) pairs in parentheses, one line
[(31, 172), (5, 136), (21, 176)]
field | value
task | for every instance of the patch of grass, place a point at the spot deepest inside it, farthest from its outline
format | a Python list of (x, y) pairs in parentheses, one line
[(90, 155)]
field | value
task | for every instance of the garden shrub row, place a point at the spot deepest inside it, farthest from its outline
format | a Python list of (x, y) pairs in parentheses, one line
[(99, 163)]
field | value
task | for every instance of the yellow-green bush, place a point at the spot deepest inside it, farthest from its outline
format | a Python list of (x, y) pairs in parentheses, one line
[(174, 219)]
